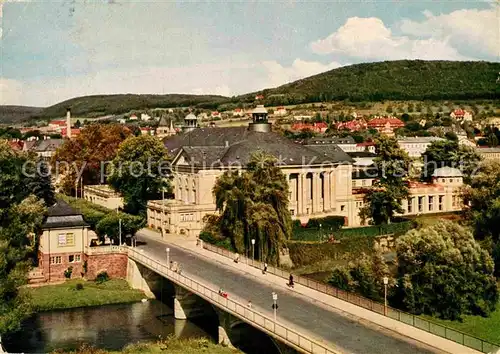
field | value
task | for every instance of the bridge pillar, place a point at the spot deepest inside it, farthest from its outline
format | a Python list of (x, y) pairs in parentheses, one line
[(137, 278), (187, 305), (226, 321)]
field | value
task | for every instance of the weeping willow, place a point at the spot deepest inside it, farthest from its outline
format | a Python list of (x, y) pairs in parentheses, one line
[(253, 204)]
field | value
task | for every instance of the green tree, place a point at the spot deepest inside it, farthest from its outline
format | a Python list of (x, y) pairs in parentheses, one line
[(110, 226), (384, 200), (21, 216), (365, 275), (483, 199), (451, 154), (443, 271), (492, 140), (254, 205), (138, 172), (411, 107), (78, 124)]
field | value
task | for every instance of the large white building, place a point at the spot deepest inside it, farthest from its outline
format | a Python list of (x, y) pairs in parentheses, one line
[(416, 146), (319, 176)]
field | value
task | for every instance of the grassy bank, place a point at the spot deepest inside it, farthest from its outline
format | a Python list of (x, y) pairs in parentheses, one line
[(66, 295), (168, 346), (487, 328)]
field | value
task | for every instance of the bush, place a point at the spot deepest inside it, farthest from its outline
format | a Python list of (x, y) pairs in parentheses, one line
[(330, 223), (102, 277), (210, 238), (68, 272), (79, 286)]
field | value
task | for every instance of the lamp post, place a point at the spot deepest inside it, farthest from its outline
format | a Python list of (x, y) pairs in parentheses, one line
[(275, 304), (320, 234), (386, 282), (253, 250), (168, 256)]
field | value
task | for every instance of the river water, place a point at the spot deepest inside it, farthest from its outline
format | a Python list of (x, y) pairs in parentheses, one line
[(109, 327)]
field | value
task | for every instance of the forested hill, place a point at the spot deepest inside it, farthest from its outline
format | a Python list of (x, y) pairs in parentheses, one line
[(392, 80), (101, 105)]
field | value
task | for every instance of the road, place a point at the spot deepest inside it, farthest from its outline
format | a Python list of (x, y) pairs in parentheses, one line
[(346, 333)]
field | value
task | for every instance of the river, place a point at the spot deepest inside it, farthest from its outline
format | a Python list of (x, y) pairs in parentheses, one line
[(107, 327)]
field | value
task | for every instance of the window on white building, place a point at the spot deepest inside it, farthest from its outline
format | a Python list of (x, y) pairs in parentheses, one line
[(56, 260), (431, 203), (441, 198), (74, 258), (420, 204), (410, 205), (64, 240), (342, 207)]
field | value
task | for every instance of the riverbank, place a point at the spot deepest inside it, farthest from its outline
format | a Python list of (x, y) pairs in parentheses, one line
[(168, 346), (71, 295)]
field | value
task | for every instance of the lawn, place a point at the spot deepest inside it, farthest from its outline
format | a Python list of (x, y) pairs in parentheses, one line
[(65, 295), (168, 346), (487, 328)]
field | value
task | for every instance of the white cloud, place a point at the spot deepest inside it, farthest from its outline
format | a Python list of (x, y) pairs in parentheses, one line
[(10, 92), (279, 74), (370, 39), (475, 31)]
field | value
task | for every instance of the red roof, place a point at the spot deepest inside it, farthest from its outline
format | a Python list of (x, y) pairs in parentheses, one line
[(316, 127), (353, 125), (459, 112), (380, 122), (16, 145), (280, 108), (58, 122), (74, 131)]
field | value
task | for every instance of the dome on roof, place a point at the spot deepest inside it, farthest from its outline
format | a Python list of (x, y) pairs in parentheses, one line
[(447, 172), (191, 116), (260, 109)]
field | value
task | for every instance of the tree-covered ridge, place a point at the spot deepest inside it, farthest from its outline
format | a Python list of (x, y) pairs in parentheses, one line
[(389, 80), (393, 80)]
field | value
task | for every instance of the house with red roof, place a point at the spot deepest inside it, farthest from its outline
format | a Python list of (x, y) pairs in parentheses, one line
[(385, 125), (216, 114), (238, 112), (74, 132), (280, 111), (320, 127), (461, 115), (352, 125)]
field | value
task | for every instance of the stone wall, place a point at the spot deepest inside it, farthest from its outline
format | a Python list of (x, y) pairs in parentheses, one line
[(115, 264), (55, 272)]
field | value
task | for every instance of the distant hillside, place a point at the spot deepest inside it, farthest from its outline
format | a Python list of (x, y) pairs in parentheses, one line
[(392, 80), (16, 114), (93, 106)]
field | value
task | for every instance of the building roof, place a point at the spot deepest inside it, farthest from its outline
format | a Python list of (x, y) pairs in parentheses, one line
[(235, 145), (44, 145), (419, 139), (331, 140), (260, 109), (62, 215), (382, 121), (165, 120), (361, 154), (447, 172), (191, 116)]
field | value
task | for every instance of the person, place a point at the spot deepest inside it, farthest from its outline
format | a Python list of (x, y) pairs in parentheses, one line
[(249, 304), (171, 264), (179, 269), (290, 281), (265, 268), (237, 258)]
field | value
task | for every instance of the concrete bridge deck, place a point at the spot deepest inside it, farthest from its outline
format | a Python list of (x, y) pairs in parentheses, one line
[(304, 314)]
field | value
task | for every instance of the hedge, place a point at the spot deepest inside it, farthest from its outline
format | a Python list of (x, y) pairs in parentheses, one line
[(322, 234)]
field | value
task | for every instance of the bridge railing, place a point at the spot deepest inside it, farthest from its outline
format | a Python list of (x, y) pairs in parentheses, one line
[(407, 318), (256, 319)]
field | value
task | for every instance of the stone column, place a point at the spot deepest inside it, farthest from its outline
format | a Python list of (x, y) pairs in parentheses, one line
[(327, 191), (300, 194), (316, 192)]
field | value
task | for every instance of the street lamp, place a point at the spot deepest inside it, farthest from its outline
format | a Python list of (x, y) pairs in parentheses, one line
[(168, 256), (386, 281), (275, 304), (320, 234), (253, 249)]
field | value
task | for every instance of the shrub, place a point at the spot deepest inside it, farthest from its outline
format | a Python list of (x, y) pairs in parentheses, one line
[(102, 277), (79, 286), (330, 223), (210, 238), (68, 272)]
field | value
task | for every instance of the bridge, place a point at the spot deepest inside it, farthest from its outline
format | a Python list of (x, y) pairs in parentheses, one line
[(305, 324)]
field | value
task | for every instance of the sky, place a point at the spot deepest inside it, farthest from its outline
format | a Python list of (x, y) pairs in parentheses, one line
[(51, 51)]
